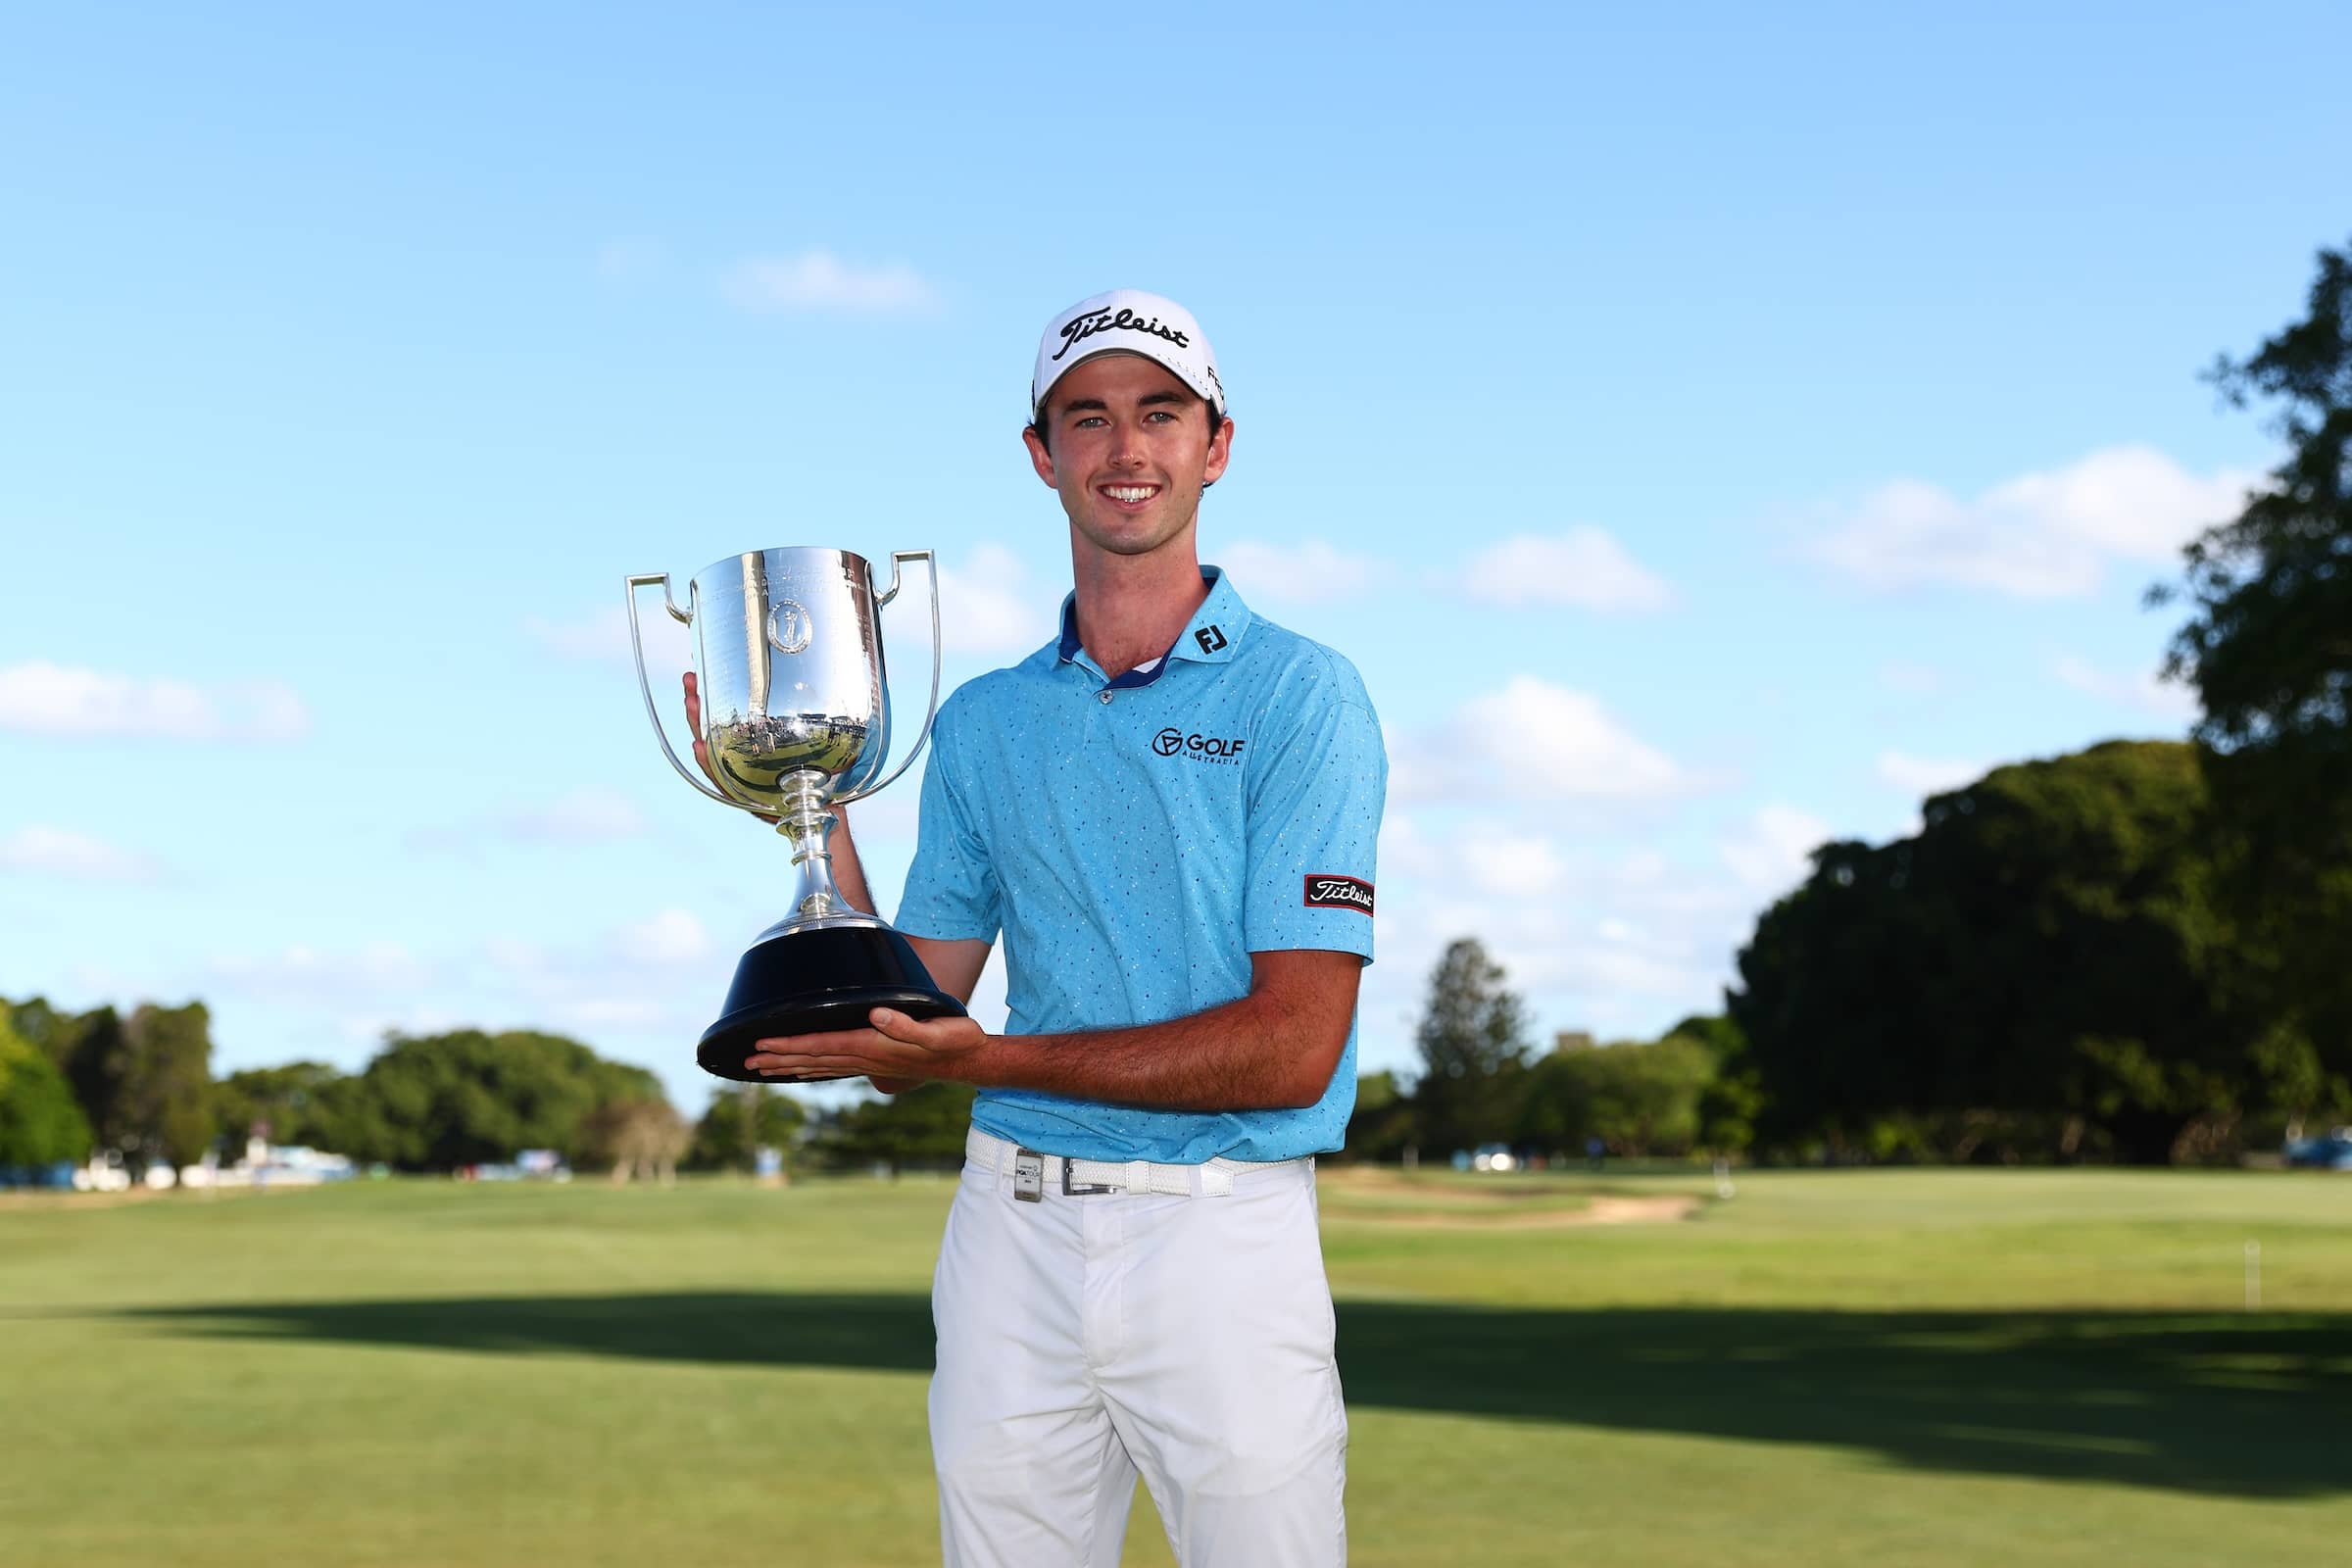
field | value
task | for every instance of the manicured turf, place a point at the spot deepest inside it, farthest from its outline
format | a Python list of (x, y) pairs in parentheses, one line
[(1829, 1368)]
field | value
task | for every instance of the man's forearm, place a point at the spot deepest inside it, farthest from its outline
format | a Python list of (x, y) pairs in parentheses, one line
[(849, 873), (1254, 1054)]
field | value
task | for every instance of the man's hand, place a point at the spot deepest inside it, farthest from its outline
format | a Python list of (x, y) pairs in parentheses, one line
[(896, 1052)]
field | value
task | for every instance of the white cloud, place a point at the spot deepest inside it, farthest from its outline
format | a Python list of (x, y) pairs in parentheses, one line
[(1311, 572), (615, 1013), (1535, 741), (579, 817), (2169, 701), (41, 698), (817, 281), (58, 852), (583, 816), (1584, 569), (302, 972), (602, 636), (672, 937), (1511, 865), (1407, 849), (989, 605), (2038, 536), (1927, 775), (1772, 851)]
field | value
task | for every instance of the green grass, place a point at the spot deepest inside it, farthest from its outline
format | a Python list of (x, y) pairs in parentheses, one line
[(1853, 1367)]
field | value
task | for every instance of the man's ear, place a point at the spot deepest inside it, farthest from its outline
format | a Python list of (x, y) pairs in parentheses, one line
[(1221, 453), (1039, 458)]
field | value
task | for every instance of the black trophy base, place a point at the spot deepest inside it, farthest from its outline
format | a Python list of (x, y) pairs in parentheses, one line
[(811, 982)]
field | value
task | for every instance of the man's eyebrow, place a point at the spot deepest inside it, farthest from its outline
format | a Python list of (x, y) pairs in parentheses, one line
[(1147, 400)]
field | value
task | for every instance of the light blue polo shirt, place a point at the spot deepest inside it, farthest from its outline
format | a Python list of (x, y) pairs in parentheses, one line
[(1135, 840)]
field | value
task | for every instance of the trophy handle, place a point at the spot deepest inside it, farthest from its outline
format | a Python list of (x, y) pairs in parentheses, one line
[(931, 566), (645, 687)]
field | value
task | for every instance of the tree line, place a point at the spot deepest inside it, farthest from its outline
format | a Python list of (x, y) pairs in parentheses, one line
[(2054, 966), (138, 1087)]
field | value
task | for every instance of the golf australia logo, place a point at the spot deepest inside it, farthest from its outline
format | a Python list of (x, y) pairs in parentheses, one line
[(1172, 742), (1326, 892)]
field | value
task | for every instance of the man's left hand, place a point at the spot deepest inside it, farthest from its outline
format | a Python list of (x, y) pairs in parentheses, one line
[(896, 1047)]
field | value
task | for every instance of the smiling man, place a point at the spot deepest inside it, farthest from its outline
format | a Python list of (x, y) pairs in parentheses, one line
[(1168, 813)]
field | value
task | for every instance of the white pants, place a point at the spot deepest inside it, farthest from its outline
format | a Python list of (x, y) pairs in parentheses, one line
[(1083, 1339)]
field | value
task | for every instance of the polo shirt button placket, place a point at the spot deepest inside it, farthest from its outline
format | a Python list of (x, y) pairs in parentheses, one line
[(1102, 695)]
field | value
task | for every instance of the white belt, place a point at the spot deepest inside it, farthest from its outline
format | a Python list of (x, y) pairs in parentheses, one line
[(1078, 1178)]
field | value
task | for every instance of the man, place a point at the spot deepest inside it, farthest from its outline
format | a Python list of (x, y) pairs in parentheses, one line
[(1169, 812)]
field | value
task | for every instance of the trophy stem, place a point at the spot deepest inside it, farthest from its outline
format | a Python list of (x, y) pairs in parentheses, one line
[(806, 822)]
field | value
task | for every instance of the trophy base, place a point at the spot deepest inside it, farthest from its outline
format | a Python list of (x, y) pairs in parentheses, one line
[(811, 982)]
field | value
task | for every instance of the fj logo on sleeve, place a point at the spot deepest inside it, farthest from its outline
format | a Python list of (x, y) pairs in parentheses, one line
[(1339, 893)]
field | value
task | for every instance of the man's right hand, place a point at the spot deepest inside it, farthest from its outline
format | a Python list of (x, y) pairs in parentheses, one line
[(702, 758)]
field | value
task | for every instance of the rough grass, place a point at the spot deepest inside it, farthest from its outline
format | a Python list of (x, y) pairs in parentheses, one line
[(1882, 1367)]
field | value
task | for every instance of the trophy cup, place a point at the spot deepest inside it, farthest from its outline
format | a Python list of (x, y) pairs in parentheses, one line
[(796, 716)]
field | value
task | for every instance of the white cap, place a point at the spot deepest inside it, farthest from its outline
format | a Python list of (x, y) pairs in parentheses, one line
[(1127, 321)]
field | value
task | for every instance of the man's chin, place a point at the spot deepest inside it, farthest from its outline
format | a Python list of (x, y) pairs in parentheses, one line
[(1132, 536)]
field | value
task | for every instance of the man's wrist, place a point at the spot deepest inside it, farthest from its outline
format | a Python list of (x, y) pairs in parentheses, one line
[(999, 1062)]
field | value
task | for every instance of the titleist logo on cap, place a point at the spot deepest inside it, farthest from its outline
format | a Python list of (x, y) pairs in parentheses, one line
[(1326, 892), (1078, 328)]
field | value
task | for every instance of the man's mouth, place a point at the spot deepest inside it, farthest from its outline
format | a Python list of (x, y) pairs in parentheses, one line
[(1128, 495)]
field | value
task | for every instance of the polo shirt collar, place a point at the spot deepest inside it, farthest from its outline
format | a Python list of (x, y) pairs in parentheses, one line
[(1212, 637)]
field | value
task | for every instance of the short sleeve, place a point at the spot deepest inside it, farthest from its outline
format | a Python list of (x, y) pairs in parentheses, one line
[(1314, 828), (952, 891)]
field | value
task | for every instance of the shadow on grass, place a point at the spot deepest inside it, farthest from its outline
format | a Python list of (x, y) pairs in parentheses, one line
[(2252, 1405)]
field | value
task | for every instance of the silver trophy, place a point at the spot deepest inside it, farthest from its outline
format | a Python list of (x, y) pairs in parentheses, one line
[(796, 718)]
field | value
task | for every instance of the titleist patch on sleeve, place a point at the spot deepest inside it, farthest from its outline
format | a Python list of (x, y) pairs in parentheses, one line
[(1339, 893)]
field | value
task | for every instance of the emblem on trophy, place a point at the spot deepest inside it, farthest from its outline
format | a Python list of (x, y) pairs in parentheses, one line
[(794, 707)]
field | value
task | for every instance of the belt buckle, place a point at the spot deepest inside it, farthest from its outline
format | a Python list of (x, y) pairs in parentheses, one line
[(1028, 1175), (1081, 1189)]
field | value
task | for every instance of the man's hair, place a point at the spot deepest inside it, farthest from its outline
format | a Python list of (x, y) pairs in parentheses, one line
[(1039, 425)]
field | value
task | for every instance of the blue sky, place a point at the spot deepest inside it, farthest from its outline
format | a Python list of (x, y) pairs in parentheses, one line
[(1706, 432)]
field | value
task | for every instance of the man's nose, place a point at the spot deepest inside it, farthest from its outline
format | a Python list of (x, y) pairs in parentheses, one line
[(1127, 446)]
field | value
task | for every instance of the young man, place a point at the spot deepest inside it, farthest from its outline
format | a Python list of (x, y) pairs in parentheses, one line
[(1169, 812)]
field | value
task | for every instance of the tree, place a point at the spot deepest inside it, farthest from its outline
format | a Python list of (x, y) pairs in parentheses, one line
[(2048, 943), (1473, 1041), (1733, 1098), (43, 1027), (465, 1098), (636, 1138), (2268, 648), (742, 1120), (39, 1122), (924, 1126), (292, 1103), (1383, 1124), (1639, 1098), (144, 1084)]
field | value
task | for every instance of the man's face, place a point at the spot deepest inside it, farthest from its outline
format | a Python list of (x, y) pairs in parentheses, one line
[(1131, 449)]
